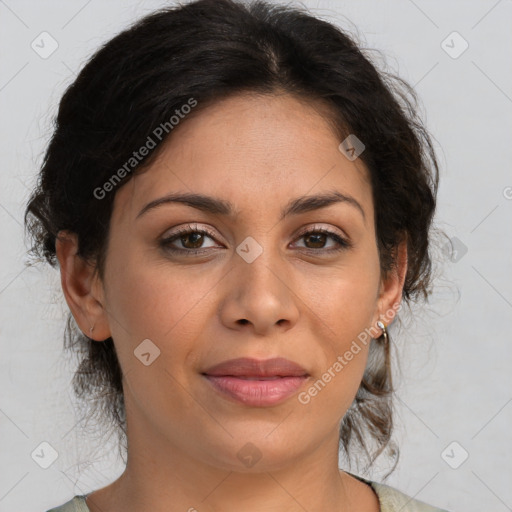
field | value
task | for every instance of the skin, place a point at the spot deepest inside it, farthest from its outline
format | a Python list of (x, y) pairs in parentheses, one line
[(183, 436)]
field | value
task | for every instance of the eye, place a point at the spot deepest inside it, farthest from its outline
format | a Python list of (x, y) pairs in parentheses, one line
[(318, 237), (192, 239)]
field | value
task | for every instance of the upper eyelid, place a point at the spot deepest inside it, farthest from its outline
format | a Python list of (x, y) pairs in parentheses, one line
[(334, 230), (198, 227)]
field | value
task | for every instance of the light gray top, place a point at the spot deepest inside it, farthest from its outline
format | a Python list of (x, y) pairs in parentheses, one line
[(390, 500)]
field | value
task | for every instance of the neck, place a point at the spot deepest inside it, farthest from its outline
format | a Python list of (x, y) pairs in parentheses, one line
[(159, 476)]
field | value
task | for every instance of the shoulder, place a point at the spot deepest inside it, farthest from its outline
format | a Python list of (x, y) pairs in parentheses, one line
[(76, 504), (393, 500)]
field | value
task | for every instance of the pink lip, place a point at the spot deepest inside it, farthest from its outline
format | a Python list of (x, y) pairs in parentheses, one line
[(272, 380), (257, 393), (247, 367)]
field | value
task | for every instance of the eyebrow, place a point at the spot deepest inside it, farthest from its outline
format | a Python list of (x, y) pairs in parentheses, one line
[(217, 206)]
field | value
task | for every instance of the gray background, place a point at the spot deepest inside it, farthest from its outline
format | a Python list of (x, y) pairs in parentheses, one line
[(455, 384)]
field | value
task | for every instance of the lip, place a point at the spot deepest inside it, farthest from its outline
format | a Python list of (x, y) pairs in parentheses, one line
[(248, 367), (257, 393), (257, 383)]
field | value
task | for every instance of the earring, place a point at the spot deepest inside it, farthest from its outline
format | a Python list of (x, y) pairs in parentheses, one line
[(382, 325), (90, 331)]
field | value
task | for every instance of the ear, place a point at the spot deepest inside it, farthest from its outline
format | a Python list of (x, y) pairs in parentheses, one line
[(81, 287), (391, 287)]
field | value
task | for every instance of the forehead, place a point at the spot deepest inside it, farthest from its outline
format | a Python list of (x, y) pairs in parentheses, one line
[(256, 151)]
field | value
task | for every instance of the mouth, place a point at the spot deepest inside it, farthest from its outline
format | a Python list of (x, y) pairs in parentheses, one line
[(257, 383)]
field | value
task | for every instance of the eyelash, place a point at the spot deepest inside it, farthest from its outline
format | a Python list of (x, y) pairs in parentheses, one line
[(187, 230)]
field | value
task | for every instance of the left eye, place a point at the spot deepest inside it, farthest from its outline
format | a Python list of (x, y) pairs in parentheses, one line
[(193, 238), (319, 236)]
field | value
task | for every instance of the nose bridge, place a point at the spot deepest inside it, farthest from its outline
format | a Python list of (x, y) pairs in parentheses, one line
[(258, 291), (259, 264)]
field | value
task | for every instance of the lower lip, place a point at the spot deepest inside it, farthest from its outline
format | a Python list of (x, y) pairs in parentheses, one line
[(257, 393)]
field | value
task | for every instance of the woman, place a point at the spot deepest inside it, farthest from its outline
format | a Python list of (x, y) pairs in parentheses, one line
[(239, 203)]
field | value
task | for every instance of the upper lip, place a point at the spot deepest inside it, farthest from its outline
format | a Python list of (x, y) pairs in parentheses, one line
[(247, 367)]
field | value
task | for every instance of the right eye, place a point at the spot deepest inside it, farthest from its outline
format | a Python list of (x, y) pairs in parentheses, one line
[(186, 235)]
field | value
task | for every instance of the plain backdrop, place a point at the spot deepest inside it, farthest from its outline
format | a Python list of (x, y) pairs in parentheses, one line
[(454, 401)]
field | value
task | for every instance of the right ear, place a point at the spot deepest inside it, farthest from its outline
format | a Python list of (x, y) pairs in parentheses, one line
[(78, 280)]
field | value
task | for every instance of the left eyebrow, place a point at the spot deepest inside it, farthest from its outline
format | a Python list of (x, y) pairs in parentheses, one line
[(217, 206)]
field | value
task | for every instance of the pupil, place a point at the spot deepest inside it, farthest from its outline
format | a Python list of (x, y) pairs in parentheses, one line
[(196, 243), (319, 235)]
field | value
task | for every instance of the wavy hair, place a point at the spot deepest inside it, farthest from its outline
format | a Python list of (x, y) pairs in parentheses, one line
[(210, 50)]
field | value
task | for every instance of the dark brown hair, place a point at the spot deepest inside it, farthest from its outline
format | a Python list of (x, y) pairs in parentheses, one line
[(209, 50)]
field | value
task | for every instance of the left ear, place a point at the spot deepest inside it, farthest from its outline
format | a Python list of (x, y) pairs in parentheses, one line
[(391, 287)]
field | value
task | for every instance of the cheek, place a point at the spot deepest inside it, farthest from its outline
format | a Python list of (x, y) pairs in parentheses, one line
[(169, 309), (331, 392), (152, 302), (346, 302), (344, 358), (345, 313)]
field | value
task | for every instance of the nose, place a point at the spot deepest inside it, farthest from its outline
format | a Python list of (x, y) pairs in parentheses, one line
[(259, 296)]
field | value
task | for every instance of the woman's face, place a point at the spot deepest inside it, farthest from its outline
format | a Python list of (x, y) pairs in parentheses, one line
[(260, 287)]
